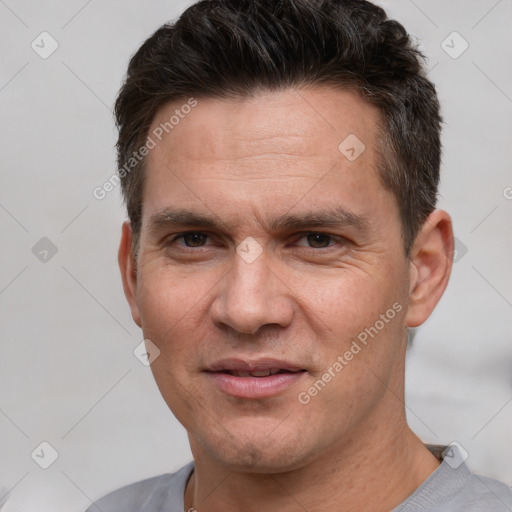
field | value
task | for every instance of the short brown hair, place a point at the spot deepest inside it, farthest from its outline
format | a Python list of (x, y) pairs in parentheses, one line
[(229, 48)]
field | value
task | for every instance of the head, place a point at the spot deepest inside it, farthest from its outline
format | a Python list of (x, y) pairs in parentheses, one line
[(221, 49), (297, 144)]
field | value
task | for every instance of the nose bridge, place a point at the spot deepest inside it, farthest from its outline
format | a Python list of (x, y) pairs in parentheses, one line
[(251, 297), (250, 278)]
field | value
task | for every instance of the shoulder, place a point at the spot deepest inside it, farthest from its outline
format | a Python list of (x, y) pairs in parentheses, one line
[(130, 497), (449, 494), (163, 491), (452, 487), (482, 493)]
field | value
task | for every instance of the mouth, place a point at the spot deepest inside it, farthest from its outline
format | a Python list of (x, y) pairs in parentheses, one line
[(262, 378), (259, 373)]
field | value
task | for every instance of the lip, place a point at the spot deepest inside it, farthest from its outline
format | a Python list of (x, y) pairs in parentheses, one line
[(241, 365), (254, 387)]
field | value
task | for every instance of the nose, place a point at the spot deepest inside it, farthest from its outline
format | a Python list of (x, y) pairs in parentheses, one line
[(251, 296)]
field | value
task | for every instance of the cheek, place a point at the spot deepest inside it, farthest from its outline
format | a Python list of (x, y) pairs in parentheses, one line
[(170, 307), (358, 325), (168, 298), (165, 308), (360, 338), (345, 305)]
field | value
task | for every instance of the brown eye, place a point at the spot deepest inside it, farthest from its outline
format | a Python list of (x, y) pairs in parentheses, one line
[(194, 239), (319, 240)]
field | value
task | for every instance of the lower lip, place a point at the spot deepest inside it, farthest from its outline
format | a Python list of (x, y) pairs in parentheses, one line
[(255, 387)]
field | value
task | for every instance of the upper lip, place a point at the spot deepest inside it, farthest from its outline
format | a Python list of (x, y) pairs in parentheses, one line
[(241, 365)]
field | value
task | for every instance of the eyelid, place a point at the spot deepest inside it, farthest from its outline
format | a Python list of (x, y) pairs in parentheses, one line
[(176, 236), (335, 239)]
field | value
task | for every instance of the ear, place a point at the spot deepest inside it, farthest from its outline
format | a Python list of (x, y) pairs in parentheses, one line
[(128, 267), (430, 267)]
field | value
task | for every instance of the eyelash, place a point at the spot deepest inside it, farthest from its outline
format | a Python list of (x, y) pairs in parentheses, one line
[(302, 235)]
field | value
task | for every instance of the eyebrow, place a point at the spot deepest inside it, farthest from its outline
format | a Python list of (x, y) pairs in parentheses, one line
[(334, 218)]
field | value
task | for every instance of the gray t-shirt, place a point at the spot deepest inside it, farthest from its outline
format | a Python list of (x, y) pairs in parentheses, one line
[(450, 488)]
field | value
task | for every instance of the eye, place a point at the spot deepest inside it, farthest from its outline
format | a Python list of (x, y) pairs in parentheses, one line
[(317, 240), (192, 238)]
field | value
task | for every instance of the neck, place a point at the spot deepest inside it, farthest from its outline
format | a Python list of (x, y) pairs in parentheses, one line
[(357, 475)]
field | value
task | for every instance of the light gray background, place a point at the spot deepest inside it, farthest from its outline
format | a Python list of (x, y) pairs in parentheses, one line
[(67, 372)]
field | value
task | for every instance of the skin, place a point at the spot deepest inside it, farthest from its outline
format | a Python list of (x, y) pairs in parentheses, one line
[(305, 299)]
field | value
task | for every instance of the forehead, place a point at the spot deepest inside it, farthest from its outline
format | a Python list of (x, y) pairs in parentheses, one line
[(313, 120), (273, 148)]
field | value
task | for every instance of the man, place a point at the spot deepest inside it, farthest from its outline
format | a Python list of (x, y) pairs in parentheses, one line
[(280, 163)]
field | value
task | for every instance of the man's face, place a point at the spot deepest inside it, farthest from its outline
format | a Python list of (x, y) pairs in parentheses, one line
[(324, 262)]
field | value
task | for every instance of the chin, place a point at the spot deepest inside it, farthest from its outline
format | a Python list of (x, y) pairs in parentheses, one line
[(268, 455)]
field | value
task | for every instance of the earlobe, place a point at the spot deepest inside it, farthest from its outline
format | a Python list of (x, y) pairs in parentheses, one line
[(128, 268), (430, 267)]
